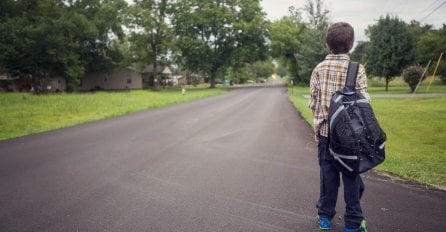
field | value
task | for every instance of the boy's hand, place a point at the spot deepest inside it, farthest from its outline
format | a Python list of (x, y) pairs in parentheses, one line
[(316, 138)]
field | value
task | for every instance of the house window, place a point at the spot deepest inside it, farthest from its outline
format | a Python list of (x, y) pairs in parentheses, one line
[(129, 80)]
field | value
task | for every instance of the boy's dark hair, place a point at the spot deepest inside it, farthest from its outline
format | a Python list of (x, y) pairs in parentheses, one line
[(340, 37)]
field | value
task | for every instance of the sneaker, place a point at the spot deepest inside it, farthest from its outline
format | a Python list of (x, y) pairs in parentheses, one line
[(324, 223), (361, 228)]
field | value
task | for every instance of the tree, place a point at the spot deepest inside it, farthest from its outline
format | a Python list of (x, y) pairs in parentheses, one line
[(281, 70), (392, 48), (210, 34), (286, 42), (252, 45), (98, 24), (152, 35), (36, 43), (44, 38), (313, 52), (262, 69), (360, 52), (430, 45), (418, 30), (318, 14), (300, 46)]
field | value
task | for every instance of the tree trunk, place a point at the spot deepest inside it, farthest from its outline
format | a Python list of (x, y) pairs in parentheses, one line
[(237, 77), (212, 80), (156, 78), (35, 84), (387, 83)]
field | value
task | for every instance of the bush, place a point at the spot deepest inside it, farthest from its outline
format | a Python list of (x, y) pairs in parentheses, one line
[(412, 74)]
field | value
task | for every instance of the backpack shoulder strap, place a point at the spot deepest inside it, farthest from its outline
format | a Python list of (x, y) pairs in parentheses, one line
[(352, 72)]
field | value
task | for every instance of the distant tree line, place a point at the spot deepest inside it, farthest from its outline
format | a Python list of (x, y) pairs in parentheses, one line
[(44, 38), (216, 39), (395, 45)]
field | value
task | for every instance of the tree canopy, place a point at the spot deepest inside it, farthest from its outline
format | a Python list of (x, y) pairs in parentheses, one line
[(226, 39), (42, 38), (211, 34), (360, 52), (391, 48), (151, 37), (300, 45), (398, 45), (430, 45)]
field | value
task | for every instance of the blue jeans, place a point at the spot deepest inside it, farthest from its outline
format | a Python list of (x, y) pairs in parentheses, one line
[(330, 181)]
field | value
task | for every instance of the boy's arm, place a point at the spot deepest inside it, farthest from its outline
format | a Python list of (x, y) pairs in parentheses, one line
[(361, 82), (314, 92), (314, 101)]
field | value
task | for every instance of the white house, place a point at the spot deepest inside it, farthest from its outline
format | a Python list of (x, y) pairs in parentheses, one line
[(127, 78), (121, 79)]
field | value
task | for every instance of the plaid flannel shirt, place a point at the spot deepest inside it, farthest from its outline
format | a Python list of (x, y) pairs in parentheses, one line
[(328, 77)]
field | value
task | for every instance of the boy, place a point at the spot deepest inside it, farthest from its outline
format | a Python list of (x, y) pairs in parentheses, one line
[(328, 77)]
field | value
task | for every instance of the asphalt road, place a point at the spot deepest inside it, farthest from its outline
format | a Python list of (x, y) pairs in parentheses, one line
[(242, 161)]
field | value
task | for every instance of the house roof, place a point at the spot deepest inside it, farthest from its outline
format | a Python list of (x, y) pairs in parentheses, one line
[(149, 68), (159, 68)]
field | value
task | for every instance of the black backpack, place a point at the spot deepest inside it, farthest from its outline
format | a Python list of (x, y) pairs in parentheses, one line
[(356, 139)]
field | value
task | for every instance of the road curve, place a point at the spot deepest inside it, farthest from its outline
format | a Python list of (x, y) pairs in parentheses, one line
[(242, 161)]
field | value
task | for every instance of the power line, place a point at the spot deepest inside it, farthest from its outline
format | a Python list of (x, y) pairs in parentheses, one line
[(431, 5), (438, 7)]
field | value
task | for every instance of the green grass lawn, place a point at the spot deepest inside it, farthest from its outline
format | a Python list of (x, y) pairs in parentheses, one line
[(398, 86), (416, 131), (23, 113), (416, 134), (406, 89)]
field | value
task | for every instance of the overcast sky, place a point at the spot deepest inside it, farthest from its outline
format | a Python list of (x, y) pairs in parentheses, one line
[(361, 13)]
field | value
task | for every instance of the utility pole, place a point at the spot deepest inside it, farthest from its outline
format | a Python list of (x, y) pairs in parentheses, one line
[(421, 78), (435, 71)]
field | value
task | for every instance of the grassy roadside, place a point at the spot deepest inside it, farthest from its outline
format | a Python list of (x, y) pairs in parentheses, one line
[(406, 90), (23, 114), (416, 131)]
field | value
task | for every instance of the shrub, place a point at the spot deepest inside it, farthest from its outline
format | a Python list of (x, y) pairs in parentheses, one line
[(411, 75)]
